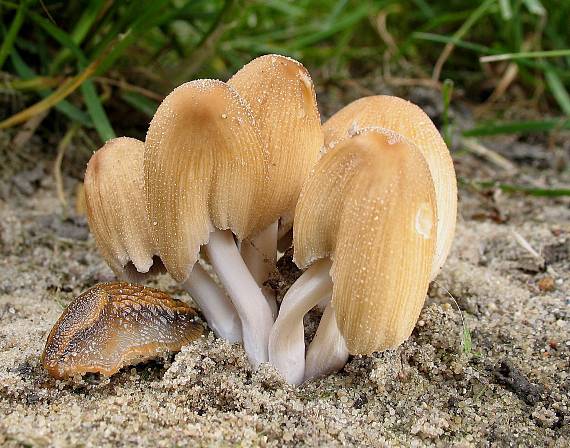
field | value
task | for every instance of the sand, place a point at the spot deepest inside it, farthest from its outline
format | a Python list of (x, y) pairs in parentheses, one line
[(510, 388)]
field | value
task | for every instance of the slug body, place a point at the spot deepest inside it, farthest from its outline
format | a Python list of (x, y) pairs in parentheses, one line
[(116, 324)]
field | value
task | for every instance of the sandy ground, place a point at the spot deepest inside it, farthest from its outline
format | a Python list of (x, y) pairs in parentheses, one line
[(511, 388)]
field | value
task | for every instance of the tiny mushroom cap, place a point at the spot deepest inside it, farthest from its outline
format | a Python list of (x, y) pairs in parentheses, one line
[(282, 97), (205, 168), (113, 325), (407, 119), (116, 206), (370, 206)]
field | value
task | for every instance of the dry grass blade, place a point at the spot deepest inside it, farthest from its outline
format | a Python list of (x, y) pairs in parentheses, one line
[(478, 149), (28, 130), (124, 85), (61, 148), (450, 46), (65, 90)]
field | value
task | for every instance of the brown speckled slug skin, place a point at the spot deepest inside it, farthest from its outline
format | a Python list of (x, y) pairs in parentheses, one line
[(116, 324)]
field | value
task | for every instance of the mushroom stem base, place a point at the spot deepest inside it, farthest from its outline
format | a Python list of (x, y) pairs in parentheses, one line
[(327, 351), (260, 256), (216, 306), (250, 304), (287, 340)]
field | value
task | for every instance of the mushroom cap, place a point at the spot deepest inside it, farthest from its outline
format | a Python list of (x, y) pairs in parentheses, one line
[(413, 123), (369, 204), (116, 205), (116, 324), (282, 98), (205, 167)]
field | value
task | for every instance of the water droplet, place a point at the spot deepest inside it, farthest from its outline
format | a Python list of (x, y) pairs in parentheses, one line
[(423, 221)]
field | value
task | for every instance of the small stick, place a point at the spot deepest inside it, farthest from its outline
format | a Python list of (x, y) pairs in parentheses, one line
[(526, 246), (61, 148), (477, 148), (28, 130)]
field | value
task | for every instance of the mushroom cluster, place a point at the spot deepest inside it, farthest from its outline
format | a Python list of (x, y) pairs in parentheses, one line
[(228, 167)]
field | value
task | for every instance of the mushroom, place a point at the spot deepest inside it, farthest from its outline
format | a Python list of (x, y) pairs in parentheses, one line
[(113, 325), (406, 118), (365, 228), (117, 216), (205, 168), (281, 95)]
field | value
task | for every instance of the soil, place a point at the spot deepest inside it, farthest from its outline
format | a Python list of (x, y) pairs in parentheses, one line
[(490, 367)]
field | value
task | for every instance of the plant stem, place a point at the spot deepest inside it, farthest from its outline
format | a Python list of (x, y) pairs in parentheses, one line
[(10, 37)]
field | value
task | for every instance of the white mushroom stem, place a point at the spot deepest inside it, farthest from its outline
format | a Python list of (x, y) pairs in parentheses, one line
[(327, 351), (260, 256), (216, 306), (287, 340), (250, 304)]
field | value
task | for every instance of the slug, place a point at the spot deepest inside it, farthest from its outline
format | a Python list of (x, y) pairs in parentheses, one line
[(116, 324)]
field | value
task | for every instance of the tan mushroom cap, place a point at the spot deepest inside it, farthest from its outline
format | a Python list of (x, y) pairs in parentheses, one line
[(116, 205), (413, 123), (282, 97), (205, 168), (370, 205)]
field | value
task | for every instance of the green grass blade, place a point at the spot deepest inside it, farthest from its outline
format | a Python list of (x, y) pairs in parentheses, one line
[(336, 11), (96, 111), (320, 35), (79, 32), (447, 40), (526, 55), (425, 8), (60, 36), (510, 188), (140, 25), (289, 9), (466, 341), (10, 36), (140, 102), (506, 9), (92, 101), (465, 27), (66, 89), (535, 7), (558, 90), (519, 127), (65, 107), (447, 93)]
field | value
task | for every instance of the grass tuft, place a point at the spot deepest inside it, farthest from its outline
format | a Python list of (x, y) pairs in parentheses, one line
[(49, 48)]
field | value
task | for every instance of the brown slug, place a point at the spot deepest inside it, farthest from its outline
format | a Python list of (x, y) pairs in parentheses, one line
[(116, 324)]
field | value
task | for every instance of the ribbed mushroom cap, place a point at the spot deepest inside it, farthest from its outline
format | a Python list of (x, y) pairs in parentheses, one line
[(413, 123), (205, 166), (282, 97), (116, 205), (370, 205)]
